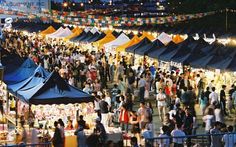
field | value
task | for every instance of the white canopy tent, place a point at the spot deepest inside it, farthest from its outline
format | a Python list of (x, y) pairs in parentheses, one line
[(61, 33), (164, 38), (121, 39), (94, 30), (55, 33)]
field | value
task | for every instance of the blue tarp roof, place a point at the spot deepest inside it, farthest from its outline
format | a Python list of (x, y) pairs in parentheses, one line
[(142, 43), (88, 35), (156, 53), (187, 49), (149, 47), (40, 74), (81, 35), (54, 90), (223, 59), (23, 72), (97, 37), (91, 37)]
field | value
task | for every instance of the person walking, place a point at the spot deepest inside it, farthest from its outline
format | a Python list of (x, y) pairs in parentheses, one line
[(161, 103), (104, 107), (223, 99), (208, 119), (141, 85)]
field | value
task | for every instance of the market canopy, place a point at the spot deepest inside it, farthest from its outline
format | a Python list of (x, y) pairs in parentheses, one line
[(108, 38), (87, 36), (56, 32), (81, 35), (133, 41), (156, 53), (177, 51), (149, 47), (54, 90), (90, 36), (75, 29), (117, 42), (164, 38), (142, 43), (210, 52), (194, 54), (222, 58), (232, 64), (61, 34), (40, 74), (75, 34), (97, 36), (49, 30), (94, 30), (22, 73), (147, 35), (177, 39)]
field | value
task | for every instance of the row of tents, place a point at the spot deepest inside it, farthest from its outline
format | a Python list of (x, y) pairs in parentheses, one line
[(109, 40), (197, 52), (34, 85)]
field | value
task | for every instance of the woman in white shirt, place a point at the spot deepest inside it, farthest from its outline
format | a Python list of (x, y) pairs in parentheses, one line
[(208, 119), (218, 114), (161, 103)]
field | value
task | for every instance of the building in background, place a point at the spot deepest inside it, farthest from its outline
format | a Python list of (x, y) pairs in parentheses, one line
[(31, 6)]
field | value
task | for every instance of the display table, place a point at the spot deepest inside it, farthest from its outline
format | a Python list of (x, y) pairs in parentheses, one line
[(71, 141)]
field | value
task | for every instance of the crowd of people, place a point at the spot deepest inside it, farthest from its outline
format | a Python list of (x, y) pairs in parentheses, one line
[(118, 85)]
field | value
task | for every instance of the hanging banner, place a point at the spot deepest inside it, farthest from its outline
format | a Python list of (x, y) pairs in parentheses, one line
[(105, 20)]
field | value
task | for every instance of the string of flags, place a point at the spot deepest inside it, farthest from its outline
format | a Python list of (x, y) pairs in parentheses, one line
[(103, 21)]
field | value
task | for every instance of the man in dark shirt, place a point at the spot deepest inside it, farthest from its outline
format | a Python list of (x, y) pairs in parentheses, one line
[(131, 81), (104, 107), (207, 93), (82, 122), (223, 99), (188, 125), (100, 131)]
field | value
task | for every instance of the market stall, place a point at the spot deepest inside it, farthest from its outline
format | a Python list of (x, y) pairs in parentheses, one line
[(111, 46), (49, 30), (62, 33)]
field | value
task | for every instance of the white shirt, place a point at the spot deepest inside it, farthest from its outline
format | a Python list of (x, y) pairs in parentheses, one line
[(108, 100), (82, 59), (172, 112), (178, 133), (229, 140), (161, 99), (213, 97), (163, 142), (96, 105), (218, 115), (209, 119)]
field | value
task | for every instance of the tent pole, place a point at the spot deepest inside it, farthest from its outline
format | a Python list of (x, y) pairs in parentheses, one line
[(29, 115), (16, 111)]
